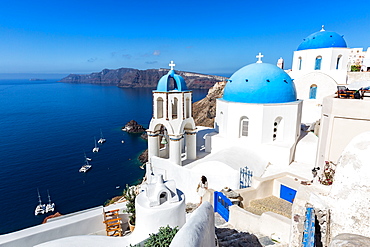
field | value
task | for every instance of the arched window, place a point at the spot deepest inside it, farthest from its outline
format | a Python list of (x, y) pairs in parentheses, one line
[(278, 129), (318, 62), (299, 63), (174, 108), (187, 107), (163, 198), (159, 107), (244, 125), (339, 58), (313, 91)]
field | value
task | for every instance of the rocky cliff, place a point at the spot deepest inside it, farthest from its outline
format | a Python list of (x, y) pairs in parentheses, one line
[(134, 78), (204, 110)]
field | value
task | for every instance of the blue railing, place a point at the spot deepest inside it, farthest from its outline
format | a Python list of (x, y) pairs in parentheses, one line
[(245, 178)]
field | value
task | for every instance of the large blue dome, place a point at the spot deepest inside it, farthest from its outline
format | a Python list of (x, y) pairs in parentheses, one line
[(260, 83), (323, 39)]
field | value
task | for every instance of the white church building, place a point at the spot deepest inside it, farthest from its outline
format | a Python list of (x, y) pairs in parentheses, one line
[(257, 124)]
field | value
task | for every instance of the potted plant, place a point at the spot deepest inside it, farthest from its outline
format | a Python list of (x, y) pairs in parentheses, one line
[(130, 195)]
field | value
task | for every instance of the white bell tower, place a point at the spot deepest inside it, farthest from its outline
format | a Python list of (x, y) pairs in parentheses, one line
[(172, 131)]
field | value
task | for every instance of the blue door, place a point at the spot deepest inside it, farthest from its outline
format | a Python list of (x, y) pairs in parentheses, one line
[(221, 205), (287, 193)]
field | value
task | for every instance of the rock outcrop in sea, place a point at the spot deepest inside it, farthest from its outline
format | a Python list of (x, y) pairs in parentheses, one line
[(133, 127), (134, 78)]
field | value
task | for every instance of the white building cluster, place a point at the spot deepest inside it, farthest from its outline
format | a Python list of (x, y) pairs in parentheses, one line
[(263, 148)]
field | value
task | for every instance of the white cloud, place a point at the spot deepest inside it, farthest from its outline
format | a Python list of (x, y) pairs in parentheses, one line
[(157, 53)]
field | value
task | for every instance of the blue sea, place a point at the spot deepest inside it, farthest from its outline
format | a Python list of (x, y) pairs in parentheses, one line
[(45, 128)]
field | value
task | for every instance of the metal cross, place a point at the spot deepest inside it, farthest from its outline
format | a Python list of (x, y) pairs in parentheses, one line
[(259, 56), (172, 65)]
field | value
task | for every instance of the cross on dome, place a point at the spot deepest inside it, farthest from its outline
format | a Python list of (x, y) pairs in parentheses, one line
[(172, 65), (259, 56), (322, 28)]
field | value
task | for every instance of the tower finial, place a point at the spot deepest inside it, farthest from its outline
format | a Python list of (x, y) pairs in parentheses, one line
[(322, 28), (172, 65), (259, 56)]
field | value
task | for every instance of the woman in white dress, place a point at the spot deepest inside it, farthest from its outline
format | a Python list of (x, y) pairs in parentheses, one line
[(202, 187)]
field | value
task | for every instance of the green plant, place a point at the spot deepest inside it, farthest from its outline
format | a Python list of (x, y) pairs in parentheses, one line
[(355, 68), (163, 238), (130, 195)]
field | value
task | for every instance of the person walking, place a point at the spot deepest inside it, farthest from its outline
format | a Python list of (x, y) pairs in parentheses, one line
[(202, 187)]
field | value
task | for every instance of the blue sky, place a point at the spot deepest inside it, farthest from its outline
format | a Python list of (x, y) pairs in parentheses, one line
[(215, 37)]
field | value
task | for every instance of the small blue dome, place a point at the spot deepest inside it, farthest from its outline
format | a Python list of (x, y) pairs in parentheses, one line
[(164, 83), (322, 39), (260, 83)]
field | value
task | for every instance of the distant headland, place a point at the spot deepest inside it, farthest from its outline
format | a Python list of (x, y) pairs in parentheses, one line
[(134, 78)]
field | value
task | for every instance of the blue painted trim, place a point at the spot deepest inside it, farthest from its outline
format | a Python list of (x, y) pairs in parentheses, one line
[(309, 229)]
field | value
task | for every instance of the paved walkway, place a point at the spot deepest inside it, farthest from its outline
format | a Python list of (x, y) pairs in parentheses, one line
[(228, 236), (271, 204)]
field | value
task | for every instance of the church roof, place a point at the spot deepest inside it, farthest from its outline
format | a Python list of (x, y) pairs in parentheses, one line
[(171, 79), (260, 83), (322, 39)]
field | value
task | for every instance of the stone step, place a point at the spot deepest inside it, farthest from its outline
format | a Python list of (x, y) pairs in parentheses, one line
[(271, 204)]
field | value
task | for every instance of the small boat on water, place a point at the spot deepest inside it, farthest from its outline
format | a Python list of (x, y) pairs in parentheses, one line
[(40, 209), (50, 206), (101, 140), (96, 148), (86, 166)]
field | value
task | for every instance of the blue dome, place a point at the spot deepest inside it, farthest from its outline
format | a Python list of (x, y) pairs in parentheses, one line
[(164, 83), (260, 83), (322, 39)]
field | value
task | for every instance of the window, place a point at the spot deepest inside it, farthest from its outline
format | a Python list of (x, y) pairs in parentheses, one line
[(244, 124), (174, 108), (313, 91), (159, 107), (318, 63), (299, 63), (187, 107), (278, 132), (338, 61)]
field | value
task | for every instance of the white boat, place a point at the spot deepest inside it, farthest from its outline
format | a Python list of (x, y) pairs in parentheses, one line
[(96, 148), (50, 206), (101, 140), (40, 209), (86, 166)]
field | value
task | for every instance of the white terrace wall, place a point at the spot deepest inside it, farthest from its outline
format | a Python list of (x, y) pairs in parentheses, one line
[(268, 223), (199, 230), (80, 223)]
